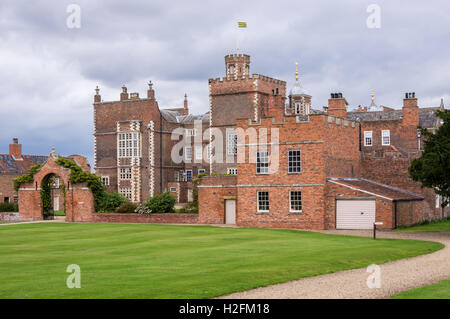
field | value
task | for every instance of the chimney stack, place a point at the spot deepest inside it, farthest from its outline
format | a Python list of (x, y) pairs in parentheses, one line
[(186, 108), (124, 94), (15, 149), (410, 99), (337, 105), (410, 110), (97, 96), (150, 91)]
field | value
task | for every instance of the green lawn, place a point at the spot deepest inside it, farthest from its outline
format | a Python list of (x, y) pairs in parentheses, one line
[(441, 290), (160, 261), (434, 226)]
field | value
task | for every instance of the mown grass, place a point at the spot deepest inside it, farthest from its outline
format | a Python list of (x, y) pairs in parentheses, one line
[(442, 225), (441, 290), (161, 261)]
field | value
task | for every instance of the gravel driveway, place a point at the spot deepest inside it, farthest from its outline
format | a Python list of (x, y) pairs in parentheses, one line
[(396, 276)]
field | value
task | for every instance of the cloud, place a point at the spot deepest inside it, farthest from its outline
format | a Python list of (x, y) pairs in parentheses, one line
[(49, 71)]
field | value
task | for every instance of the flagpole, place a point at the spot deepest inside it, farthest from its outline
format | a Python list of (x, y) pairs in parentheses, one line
[(237, 40)]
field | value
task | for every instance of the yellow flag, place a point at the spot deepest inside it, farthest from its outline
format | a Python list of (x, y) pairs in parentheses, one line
[(242, 24)]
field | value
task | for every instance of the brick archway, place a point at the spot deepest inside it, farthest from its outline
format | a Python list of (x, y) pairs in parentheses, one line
[(79, 201)]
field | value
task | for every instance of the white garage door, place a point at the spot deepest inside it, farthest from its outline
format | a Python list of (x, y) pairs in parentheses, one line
[(355, 214)]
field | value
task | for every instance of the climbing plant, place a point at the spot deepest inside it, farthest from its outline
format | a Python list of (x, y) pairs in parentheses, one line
[(26, 178), (45, 195), (103, 201)]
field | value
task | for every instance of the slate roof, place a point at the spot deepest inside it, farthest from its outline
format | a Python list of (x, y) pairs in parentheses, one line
[(176, 117), (427, 118), (377, 189), (20, 166)]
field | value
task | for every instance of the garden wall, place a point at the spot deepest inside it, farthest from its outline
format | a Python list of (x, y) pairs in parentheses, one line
[(145, 218), (9, 217)]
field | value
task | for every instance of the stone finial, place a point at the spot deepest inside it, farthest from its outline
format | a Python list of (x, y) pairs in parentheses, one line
[(53, 154), (150, 85), (97, 90), (124, 89)]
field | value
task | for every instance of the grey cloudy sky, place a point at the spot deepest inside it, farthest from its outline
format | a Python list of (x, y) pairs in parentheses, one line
[(49, 71)]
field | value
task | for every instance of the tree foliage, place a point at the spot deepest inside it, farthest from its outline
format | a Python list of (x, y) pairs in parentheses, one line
[(432, 169)]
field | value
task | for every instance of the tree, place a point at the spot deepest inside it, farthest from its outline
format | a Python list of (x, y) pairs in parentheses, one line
[(432, 169)]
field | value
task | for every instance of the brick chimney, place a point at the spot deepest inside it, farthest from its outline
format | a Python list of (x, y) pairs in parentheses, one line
[(124, 94), (337, 105), (410, 110), (15, 149), (150, 91), (186, 107), (276, 107), (97, 96)]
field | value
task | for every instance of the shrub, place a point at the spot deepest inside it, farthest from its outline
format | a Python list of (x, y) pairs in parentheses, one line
[(161, 203), (126, 207), (108, 202), (8, 207)]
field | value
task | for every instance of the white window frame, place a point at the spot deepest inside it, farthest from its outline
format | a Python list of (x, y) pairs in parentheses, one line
[(126, 192), (258, 202), (232, 171), (173, 189), (263, 166), (198, 153), (188, 154), (129, 144), (368, 135), (231, 143), (438, 201), (386, 134), (290, 202), (105, 180), (191, 132), (125, 173)]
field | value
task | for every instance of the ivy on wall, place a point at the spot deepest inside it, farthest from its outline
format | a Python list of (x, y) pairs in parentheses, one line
[(45, 195), (26, 178)]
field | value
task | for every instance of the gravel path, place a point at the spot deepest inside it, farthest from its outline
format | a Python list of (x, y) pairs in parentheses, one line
[(396, 276)]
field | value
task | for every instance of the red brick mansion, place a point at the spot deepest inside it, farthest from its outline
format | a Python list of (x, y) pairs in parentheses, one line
[(305, 168)]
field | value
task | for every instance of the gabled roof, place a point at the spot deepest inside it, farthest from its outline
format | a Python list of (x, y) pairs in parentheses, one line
[(8, 164), (376, 189)]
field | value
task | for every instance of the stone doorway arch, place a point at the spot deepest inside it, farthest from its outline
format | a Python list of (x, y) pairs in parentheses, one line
[(78, 198)]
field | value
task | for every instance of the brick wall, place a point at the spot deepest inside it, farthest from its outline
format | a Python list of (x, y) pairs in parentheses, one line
[(7, 187), (409, 212), (145, 218), (212, 196), (384, 208)]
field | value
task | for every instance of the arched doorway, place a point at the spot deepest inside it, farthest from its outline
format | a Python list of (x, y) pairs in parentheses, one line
[(52, 197)]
